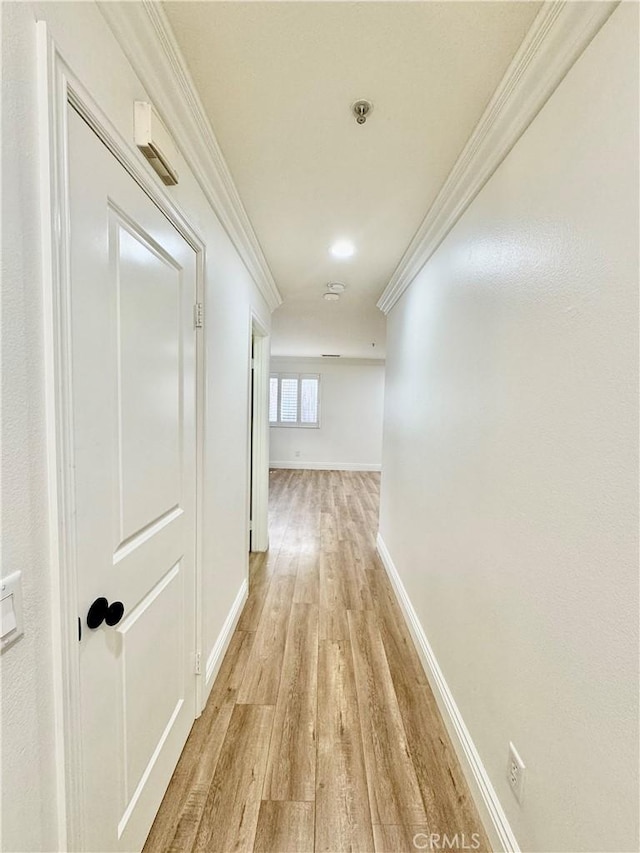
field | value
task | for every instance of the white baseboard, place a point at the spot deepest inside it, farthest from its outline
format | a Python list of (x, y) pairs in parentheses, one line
[(224, 638), (491, 812), (322, 466)]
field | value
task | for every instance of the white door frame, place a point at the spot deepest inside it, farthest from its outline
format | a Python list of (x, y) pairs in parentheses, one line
[(59, 88), (258, 451)]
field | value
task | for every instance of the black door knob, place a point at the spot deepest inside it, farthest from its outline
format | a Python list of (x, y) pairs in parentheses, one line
[(114, 613), (101, 611)]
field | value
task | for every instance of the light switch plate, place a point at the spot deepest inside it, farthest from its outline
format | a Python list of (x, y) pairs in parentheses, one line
[(11, 609)]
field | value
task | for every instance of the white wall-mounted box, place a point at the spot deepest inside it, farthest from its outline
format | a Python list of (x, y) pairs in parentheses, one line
[(155, 142)]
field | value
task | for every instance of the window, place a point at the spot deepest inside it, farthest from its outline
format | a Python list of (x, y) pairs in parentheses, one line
[(294, 400)]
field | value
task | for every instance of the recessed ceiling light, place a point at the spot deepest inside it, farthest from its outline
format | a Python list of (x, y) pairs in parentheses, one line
[(331, 297), (343, 249), (336, 287)]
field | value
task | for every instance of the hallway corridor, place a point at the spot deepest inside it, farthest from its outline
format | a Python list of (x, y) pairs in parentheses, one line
[(321, 732)]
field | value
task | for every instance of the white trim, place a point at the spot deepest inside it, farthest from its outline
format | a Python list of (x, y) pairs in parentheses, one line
[(59, 89), (144, 34), (326, 466), (65, 660), (491, 812), (323, 362), (201, 408), (259, 459), (224, 637), (557, 37), (298, 425)]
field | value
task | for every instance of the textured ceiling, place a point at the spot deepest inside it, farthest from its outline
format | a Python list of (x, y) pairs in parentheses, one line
[(277, 80)]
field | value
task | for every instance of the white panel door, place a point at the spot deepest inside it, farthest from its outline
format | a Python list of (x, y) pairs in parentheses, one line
[(133, 286)]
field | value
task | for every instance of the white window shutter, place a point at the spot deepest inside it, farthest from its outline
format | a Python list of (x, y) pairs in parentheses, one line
[(308, 400), (289, 400), (294, 400), (273, 400)]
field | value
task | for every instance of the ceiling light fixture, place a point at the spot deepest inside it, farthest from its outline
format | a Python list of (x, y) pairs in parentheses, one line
[(343, 249), (336, 287), (331, 297)]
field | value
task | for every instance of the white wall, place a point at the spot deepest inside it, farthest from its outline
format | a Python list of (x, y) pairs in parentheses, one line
[(509, 486), (28, 771), (351, 405)]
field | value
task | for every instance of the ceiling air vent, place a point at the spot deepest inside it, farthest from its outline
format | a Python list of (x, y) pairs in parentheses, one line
[(329, 355), (155, 142)]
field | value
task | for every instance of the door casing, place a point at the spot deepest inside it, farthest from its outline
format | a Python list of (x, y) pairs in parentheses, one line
[(258, 439), (58, 87)]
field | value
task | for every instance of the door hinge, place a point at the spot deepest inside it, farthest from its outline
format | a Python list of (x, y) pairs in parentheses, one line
[(250, 525), (253, 363), (198, 315), (198, 665)]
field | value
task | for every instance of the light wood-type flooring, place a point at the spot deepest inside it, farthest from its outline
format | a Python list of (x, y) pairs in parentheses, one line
[(321, 732)]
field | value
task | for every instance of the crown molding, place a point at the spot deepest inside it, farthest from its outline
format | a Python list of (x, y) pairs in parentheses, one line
[(558, 35), (146, 37)]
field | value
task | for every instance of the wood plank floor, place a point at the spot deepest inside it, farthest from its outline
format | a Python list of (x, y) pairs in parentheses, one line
[(321, 732)]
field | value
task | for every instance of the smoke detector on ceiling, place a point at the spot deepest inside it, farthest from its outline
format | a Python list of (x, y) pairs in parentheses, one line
[(361, 110)]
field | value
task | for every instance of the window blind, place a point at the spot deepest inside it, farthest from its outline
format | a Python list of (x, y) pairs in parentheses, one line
[(288, 401), (309, 401), (294, 399), (273, 399)]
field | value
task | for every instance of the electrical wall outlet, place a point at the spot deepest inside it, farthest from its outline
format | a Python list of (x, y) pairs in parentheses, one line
[(515, 773)]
